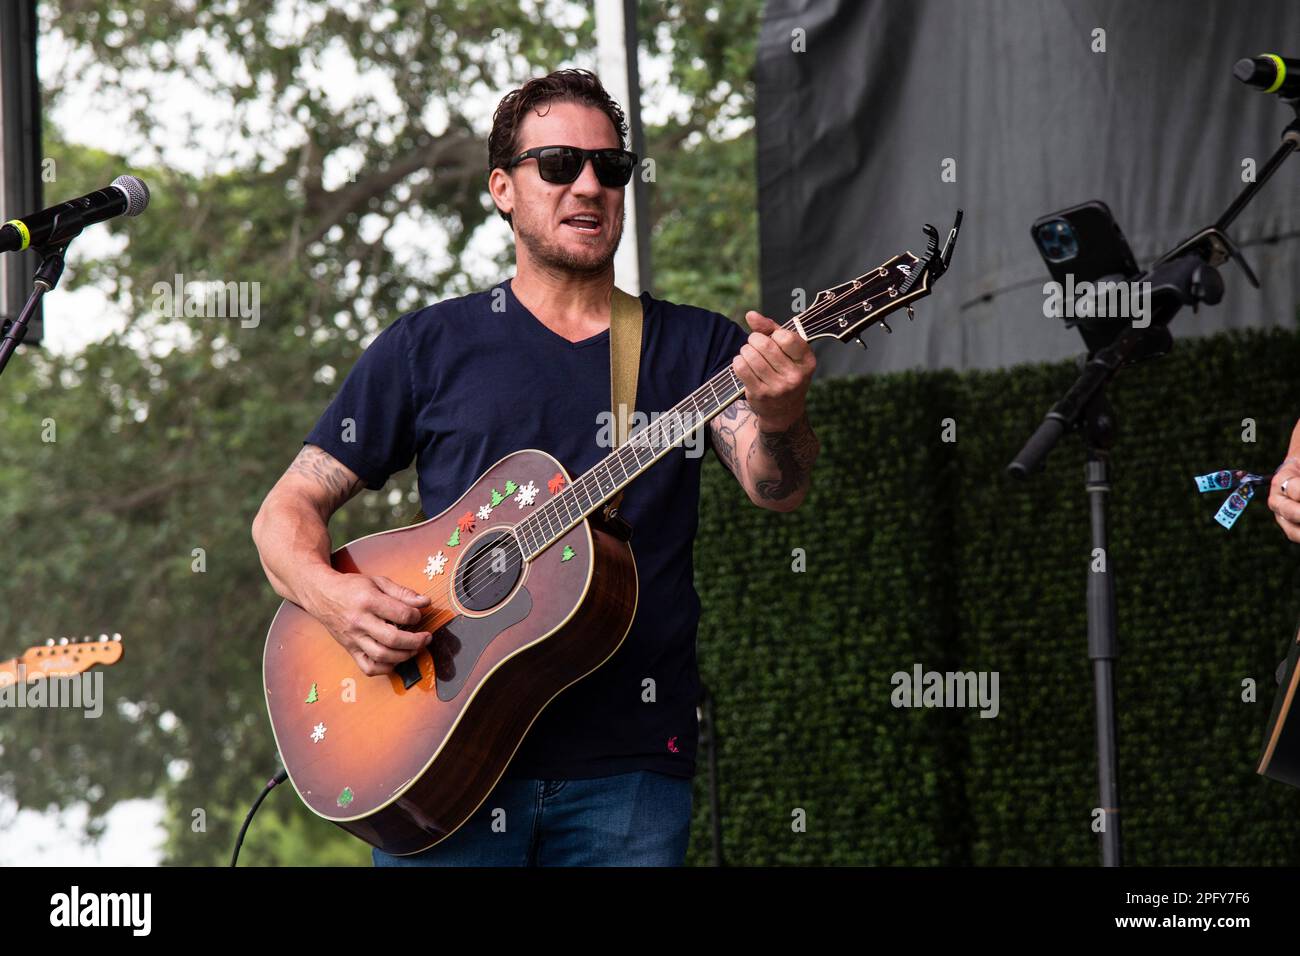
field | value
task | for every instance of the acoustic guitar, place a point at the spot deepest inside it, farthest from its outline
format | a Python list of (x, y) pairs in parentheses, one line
[(533, 587)]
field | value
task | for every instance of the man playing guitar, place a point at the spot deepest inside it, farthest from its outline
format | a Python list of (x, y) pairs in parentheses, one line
[(604, 775)]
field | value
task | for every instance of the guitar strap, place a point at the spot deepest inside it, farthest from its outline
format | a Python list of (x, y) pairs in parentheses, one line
[(625, 322)]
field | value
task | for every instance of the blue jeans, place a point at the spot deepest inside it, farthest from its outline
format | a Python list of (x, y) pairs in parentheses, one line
[(641, 818)]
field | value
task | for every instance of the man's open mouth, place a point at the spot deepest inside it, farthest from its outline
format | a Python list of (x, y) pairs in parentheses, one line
[(589, 225)]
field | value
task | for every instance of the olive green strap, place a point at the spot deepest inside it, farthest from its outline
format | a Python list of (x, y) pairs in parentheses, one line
[(625, 320)]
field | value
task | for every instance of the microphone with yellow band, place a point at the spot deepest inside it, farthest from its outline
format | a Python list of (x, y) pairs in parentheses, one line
[(1270, 73), (127, 196)]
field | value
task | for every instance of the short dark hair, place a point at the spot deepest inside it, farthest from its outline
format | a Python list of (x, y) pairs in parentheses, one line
[(562, 86)]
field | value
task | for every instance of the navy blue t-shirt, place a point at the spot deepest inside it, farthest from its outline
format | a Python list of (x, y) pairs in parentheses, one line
[(459, 385)]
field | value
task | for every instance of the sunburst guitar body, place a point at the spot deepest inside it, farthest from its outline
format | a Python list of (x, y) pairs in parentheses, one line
[(403, 759)]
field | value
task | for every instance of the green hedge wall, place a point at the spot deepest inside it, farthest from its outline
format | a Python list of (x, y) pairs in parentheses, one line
[(923, 551)]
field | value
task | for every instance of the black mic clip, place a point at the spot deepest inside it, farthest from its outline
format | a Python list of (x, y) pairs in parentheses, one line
[(68, 224)]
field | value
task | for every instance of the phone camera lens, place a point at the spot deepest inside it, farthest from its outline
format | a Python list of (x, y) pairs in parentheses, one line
[(1057, 240)]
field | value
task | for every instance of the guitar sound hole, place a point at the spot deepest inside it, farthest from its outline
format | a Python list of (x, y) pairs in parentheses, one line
[(488, 571)]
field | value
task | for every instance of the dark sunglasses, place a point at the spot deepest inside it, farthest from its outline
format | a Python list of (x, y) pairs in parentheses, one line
[(563, 164)]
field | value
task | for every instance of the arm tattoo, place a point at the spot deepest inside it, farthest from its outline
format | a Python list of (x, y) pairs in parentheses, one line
[(724, 429), (328, 472), (792, 452)]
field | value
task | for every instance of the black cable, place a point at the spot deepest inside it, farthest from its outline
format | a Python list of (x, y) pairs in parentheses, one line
[(271, 784)]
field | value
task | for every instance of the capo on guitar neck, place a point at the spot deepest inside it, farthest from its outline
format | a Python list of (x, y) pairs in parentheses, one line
[(935, 261), (939, 262)]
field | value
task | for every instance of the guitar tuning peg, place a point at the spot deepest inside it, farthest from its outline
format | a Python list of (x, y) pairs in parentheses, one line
[(886, 326), (911, 313), (49, 642), (862, 343), (63, 642), (117, 637), (103, 637)]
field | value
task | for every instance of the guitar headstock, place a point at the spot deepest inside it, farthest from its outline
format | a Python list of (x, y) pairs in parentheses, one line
[(844, 311), (71, 655)]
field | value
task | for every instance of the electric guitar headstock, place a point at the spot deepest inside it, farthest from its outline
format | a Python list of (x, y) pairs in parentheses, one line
[(844, 311), (62, 658)]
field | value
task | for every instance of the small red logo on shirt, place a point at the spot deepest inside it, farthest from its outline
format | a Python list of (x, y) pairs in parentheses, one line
[(672, 745)]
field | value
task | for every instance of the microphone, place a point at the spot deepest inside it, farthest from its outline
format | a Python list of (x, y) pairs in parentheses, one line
[(1270, 73), (128, 195)]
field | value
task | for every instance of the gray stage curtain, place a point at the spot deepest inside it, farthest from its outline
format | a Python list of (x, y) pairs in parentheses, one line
[(853, 132)]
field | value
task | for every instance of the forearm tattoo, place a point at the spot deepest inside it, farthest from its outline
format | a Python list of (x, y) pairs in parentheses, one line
[(791, 452), (325, 469), (726, 427)]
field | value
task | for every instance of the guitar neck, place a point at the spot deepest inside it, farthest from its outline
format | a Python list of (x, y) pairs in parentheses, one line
[(839, 312), (621, 467)]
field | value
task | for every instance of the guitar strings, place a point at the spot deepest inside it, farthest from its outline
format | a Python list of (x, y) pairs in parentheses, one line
[(468, 575), (473, 578)]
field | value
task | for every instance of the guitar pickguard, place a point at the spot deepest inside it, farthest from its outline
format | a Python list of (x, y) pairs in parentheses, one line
[(458, 644)]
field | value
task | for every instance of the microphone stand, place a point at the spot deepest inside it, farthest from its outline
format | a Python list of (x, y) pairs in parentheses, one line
[(1186, 275), (67, 226), (47, 277)]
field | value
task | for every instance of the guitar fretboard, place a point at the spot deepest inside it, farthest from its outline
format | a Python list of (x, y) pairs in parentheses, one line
[(835, 312), (642, 449)]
